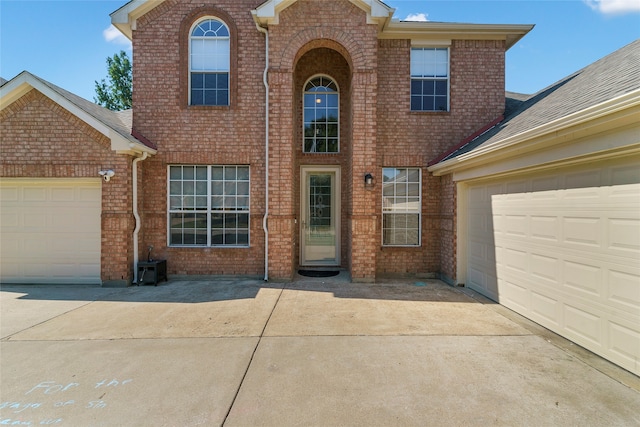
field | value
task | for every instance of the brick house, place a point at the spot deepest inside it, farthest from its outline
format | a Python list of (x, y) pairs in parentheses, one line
[(270, 136), (342, 105)]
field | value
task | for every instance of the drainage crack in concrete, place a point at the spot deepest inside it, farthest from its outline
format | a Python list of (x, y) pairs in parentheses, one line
[(255, 349)]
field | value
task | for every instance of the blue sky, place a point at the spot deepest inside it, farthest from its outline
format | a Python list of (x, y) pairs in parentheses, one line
[(67, 42)]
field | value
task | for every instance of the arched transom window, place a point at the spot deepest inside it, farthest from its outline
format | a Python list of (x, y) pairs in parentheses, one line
[(321, 116), (209, 63)]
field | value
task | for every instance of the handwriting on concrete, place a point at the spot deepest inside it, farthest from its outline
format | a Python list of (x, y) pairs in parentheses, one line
[(35, 406)]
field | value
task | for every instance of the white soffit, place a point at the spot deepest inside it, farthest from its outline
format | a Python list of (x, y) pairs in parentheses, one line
[(268, 12)]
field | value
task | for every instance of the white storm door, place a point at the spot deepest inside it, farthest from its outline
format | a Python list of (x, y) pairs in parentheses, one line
[(320, 216)]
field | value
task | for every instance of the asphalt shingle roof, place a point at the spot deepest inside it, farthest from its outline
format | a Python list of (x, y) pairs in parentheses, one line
[(608, 78)]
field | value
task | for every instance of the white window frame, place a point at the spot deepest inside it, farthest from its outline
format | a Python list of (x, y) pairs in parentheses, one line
[(447, 79), (304, 93), (398, 208), (191, 70), (208, 209)]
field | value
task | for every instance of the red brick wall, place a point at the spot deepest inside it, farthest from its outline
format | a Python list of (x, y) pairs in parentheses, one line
[(377, 130), (408, 138), (198, 135), (40, 139)]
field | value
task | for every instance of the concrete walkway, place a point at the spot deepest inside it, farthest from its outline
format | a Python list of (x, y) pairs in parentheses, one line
[(315, 352)]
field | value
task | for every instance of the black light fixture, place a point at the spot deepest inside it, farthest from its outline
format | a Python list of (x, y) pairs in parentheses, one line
[(368, 179)]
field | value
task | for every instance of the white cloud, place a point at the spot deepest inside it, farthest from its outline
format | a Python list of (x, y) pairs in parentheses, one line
[(614, 7), (113, 35), (417, 17)]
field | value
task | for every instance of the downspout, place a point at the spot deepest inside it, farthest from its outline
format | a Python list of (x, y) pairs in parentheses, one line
[(266, 154), (136, 215)]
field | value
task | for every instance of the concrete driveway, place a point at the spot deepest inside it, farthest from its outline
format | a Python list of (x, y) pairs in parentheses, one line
[(315, 352)]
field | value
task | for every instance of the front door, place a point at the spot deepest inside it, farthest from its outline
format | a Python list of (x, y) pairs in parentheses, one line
[(320, 216)]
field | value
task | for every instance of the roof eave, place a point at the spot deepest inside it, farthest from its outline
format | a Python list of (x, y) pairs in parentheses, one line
[(124, 19), (24, 82), (550, 132), (510, 33), (268, 13)]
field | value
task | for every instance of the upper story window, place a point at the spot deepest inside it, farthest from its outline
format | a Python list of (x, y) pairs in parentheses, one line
[(209, 63), (429, 79), (321, 116)]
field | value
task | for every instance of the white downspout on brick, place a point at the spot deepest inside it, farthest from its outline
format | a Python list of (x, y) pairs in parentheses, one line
[(136, 215), (266, 154)]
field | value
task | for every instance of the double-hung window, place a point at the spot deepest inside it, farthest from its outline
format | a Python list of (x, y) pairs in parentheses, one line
[(321, 116), (209, 206), (429, 79), (401, 206), (209, 63)]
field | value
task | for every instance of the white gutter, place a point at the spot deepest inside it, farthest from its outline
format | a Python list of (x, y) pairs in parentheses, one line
[(136, 215), (266, 153)]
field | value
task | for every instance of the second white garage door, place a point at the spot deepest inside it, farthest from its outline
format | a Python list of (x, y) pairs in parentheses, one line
[(50, 231), (563, 249)]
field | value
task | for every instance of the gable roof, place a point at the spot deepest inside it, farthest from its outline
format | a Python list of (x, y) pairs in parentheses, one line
[(115, 125), (608, 85), (377, 12)]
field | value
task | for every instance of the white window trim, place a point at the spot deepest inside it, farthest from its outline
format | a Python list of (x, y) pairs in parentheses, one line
[(190, 71), (304, 92), (415, 45), (208, 211), (418, 212)]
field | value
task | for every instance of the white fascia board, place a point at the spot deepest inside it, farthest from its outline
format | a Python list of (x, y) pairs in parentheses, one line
[(124, 19), (546, 135), (122, 145), (25, 82), (510, 33), (268, 13)]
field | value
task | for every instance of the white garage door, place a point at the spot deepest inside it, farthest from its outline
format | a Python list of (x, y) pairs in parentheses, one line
[(563, 249), (50, 231)]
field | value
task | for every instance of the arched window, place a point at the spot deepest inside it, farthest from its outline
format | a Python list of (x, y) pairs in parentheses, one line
[(321, 116), (209, 54)]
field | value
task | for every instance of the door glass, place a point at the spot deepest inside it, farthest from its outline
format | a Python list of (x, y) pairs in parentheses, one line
[(319, 224)]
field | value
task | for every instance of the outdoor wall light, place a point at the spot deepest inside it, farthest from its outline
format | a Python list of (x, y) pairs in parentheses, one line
[(368, 179)]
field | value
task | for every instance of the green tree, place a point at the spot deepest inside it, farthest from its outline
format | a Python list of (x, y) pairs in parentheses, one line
[(116, 93)]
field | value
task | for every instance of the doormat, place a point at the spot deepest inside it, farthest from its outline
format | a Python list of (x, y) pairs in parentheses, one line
[(316, 273)]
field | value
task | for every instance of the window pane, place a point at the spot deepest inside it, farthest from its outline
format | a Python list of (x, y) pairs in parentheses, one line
[(217, 173), (416, 103), (243, 174), (210, 97), (230, 188), (230, 173), (222, 97), (243, 188)]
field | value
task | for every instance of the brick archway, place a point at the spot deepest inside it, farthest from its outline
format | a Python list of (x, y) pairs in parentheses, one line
[(316, 37)]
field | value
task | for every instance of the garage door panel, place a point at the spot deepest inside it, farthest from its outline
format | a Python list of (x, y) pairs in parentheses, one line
[(546, 228), (567, 251), (545, 310), (624, 289), (583, 231), (583, 278), (50, 230), (583, 325), (624, 343), (545, 268), (513, 295), (623, 235)]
